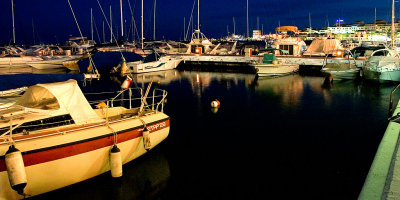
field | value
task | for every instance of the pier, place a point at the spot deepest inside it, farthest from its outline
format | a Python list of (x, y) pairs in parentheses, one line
[(244, 63), (383, 180)]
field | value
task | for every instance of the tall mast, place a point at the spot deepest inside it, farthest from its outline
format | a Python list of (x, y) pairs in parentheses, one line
[(309, 20), (142, 24), (184, 30), (33, 32), (91, 22), (12, 10), (258, 23), (104, 35), (154, 25), (198, 18), (393, 18), (111, 29), (247, 18), (122, 21), (234, 26)]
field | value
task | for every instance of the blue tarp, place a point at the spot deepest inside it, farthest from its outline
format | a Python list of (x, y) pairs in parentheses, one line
[(105, 61)]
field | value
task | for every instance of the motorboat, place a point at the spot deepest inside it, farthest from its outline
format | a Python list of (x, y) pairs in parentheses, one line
[(152, 63), (382, 66), (341, 69), (51, 137), (273, 67)]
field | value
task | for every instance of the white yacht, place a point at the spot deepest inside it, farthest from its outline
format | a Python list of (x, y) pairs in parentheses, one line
[(383, 66)]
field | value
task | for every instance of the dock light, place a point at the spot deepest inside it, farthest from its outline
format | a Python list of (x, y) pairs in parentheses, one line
[(198, 50), (339, 53)]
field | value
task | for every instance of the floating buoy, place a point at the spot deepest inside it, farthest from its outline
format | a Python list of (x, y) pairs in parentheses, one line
[(127, 83), (214, 110), (16, 169), (146, 139), (115, 162), (215, 104)]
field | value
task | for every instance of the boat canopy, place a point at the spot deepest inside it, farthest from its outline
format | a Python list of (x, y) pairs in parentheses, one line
[(60, 97), (320, 47)]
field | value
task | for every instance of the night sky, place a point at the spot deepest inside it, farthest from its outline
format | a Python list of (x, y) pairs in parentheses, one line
[(53, 22)]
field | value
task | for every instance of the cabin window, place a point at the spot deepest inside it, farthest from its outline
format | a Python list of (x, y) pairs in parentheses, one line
[(287, 48)]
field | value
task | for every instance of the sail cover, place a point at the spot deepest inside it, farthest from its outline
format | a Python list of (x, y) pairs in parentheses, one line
[(60, 97)]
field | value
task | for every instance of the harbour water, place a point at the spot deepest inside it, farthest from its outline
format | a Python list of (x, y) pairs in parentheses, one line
[(285, 137)]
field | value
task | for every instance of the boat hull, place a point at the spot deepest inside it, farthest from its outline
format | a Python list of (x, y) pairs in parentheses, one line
[(138, 67), (342, 74), (79, 155), (276, 70), (384, 76)]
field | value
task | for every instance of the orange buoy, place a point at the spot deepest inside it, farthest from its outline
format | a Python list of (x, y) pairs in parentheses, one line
[(215, 104)]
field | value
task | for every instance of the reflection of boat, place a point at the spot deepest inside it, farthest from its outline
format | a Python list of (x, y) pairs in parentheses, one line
[(153, 62), (383, 65), (341, 71), (159, 77), (272, 67), (64, 141)]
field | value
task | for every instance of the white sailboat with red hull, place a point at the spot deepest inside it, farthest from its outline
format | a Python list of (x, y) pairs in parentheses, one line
[(51, 137)]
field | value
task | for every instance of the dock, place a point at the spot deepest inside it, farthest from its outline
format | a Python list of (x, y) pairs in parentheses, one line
[(244, 63), (383, 180)]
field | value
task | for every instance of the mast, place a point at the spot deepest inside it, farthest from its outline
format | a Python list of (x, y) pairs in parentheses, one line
[(247, 18), (154, 25), (234, 26), (198, 18), (122, 23), (258, 23), (393, 18), (184, 30), (111, 29), (142, 24), (104, 35), (309, 20), (33, 32), (12, 10), (91, 22)]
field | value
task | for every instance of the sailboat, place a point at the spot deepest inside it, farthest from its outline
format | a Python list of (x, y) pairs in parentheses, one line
[(52, 137), (384, 64)]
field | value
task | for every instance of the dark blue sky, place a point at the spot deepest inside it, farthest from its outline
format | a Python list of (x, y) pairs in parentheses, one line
[(53, 20)]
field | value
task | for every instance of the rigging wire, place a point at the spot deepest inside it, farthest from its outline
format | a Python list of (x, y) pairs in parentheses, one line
[(191, 17), (108, 24), (94, 69)]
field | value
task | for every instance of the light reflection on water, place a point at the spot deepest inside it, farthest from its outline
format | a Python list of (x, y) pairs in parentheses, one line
[(293, 136)]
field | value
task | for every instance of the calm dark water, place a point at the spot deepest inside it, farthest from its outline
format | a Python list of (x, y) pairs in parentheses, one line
[(289, 137)]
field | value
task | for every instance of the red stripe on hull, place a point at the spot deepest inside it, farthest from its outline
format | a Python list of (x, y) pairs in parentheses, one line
[(83, 147)]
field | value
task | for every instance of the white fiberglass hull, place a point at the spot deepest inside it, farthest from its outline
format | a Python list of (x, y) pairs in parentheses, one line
[(139, 67), (275, 70), (382, 69), (22, 61), (63, 157), (350, 74)]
